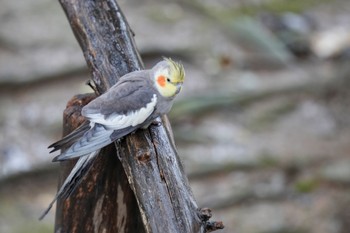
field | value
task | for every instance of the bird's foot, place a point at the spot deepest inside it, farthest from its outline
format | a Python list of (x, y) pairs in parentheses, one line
[(156, 122)]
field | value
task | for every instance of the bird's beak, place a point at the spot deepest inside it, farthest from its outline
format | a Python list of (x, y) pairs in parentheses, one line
[(178, 88)]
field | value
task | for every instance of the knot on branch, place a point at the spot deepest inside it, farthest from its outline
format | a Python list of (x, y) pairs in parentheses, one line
[(204, 215), (143, 156), (213, 226)]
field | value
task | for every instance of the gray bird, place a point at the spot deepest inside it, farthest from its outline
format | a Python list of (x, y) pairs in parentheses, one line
[(134, 102)]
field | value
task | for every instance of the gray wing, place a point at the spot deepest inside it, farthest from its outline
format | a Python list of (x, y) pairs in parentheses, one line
[(127, 104), (69, 139), (131, 93), (94, 139)]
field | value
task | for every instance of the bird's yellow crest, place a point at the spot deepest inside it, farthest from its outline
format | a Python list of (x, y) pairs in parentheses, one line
[(177, 71), (169, 77)]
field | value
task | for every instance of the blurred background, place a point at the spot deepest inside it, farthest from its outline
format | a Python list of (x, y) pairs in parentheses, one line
[(262, 124)]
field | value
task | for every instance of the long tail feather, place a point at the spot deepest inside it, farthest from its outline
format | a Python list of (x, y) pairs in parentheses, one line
[(70, 138), (92, 140), (80, 169)]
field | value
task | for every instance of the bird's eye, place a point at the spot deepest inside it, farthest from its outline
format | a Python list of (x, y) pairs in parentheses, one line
[(168, 79)]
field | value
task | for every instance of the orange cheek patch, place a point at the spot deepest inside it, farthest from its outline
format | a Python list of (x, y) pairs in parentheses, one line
[(161, 80)]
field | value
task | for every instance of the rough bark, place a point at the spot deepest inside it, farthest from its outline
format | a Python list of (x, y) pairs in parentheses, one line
[(103, 201), (161, 199)]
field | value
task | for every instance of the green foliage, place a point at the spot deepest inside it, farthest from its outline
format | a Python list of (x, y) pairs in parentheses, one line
[(306, 185), (267, 160), (276, 6)]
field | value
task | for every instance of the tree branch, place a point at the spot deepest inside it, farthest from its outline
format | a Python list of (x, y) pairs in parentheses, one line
[(149, 158)]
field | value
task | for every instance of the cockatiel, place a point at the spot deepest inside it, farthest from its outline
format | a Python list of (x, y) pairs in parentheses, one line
[(135, 101)]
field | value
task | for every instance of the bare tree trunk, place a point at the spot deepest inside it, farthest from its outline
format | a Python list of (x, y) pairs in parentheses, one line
[(161, 199), (103, 202)]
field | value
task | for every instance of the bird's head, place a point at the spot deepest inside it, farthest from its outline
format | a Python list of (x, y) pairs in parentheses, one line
[(169, 76)]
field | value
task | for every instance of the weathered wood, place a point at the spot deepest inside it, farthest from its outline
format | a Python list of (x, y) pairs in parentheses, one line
[(105, 38), (149, 158), (103, 202)]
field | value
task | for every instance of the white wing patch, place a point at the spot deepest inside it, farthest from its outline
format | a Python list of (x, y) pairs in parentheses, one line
[(115, 121)]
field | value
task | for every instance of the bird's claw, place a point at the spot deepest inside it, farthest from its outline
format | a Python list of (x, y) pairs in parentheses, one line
[(156, 122)]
